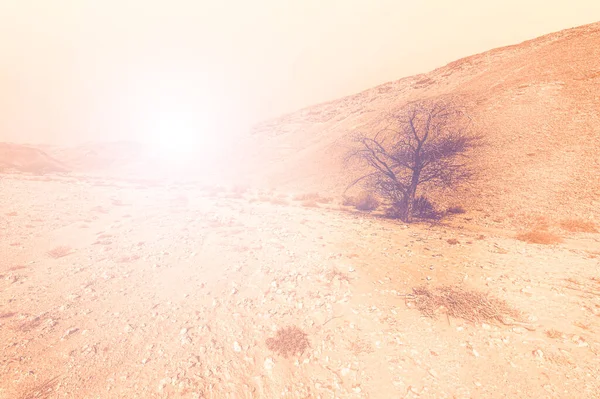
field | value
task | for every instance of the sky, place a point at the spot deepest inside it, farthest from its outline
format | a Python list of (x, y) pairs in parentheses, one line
[(93, 70)]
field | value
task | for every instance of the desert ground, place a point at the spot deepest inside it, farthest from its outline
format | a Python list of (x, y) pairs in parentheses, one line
[(131, 289)]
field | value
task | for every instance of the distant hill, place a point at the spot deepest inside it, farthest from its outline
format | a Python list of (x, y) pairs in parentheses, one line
[(23, 158), (537, 104)]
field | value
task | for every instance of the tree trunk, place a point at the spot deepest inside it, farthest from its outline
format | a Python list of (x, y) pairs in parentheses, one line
[(408, 206)]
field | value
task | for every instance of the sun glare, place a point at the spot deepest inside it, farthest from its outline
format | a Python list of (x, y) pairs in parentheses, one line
[(180, 138)]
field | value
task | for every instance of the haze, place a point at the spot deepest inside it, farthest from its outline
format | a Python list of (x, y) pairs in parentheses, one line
[(81, 70)]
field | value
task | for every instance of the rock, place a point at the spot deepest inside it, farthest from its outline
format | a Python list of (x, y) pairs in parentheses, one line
[(269, 364), (70, 332), (183, 331), (433, 373), (351, 270), (163, 383), (345, 371), (237, 347), (538, 353), (128, 328)]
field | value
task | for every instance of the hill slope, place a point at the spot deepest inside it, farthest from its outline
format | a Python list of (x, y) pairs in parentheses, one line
[(22, 158), (537, 104)]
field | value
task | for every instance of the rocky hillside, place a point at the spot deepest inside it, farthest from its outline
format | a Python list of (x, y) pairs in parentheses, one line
[(536, 103)]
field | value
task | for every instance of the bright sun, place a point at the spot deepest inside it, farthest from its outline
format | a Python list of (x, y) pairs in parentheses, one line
[(179, 137)]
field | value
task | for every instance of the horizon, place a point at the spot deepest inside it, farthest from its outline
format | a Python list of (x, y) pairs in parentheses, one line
[(70, 79)]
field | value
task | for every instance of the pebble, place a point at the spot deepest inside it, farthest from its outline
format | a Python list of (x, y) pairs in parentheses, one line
[(237, 347), (183, 331), (269, 364), (69, 332)]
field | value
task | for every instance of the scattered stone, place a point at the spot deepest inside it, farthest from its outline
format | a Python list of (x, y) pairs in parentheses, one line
[(433, 373), (183, 331), (269, 364), (70, 332), (237, 347)]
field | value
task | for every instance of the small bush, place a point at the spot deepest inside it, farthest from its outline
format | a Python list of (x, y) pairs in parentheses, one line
[(366, 201), (452, 241), (288, 341), (423, 208), (578, 226), (539, 237)]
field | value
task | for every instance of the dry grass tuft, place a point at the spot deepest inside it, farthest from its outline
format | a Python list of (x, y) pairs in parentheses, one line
[(43, 390), (554, 334), (337, 273), (578, 226), (539, 237), (581, 325), (6, 315), (455, 302), (452, 241), (288, 341), (59, 252)]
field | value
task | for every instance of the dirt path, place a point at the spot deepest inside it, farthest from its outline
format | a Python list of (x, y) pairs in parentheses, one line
[(173, 291)]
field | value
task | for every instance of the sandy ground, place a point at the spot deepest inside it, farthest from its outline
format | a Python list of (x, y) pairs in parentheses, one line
[(126, 290)]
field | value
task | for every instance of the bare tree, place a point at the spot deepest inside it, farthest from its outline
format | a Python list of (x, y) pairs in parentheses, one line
[(424, 143)]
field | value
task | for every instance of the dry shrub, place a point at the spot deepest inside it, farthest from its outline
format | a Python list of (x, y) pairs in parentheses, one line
[(59, 252), (364, 201), (578, 226), (452, 241), (472, 306), (424, 208), (310, 204), (288, 341), (539, 237), (456, 209)]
